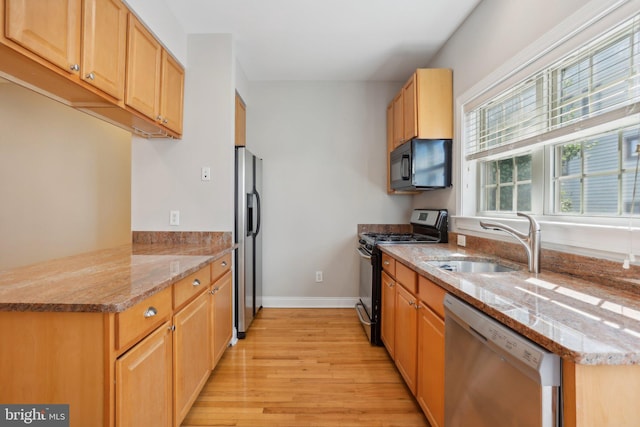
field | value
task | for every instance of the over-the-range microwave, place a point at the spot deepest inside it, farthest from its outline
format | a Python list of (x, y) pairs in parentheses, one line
[(421, 164)]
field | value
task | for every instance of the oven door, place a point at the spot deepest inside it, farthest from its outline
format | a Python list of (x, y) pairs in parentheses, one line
[(364, 306)]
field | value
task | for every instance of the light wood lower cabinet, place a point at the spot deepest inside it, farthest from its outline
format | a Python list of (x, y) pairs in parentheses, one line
[(430, 390), (221, 316), (191, 361), (140, 367), (388, 312), (406, 345), (143, 382)]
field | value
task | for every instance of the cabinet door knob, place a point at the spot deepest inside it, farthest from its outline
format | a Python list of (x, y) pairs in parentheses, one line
[(386, 263), (165, 121), (172, 328), (224, 263), (150, 312), (159, 118), (74, 67), (196, 282), (91, 76)]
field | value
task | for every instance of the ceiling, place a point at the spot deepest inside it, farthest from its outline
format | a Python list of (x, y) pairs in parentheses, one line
[(352, 40)]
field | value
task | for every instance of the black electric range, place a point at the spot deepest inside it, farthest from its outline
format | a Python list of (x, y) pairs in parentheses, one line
[(428, 226)]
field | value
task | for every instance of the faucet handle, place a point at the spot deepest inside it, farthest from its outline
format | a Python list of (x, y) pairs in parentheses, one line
[(533, 224)]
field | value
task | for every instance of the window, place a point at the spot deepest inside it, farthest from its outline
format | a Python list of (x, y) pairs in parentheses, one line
[(507, 185), (582, 116)]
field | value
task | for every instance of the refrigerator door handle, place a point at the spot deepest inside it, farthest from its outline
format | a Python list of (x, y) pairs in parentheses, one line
[(249, 214), (259, 212)]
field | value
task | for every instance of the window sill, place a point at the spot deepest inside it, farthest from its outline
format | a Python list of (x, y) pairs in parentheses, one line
[(599, 240)]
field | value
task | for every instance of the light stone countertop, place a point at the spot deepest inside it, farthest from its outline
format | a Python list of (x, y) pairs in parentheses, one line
[(109, 280), (585, 322)]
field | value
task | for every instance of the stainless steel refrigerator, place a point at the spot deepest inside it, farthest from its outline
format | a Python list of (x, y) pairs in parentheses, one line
[(248, 236)]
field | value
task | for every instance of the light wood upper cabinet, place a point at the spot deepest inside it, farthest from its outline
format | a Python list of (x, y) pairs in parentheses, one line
[(423, 108), (155, 81), (390, 145), (104, 45), (398, 124), (241, 122), (171, 93), (144, 60), (50, 29), (409, 111), (143, 382), (428, 104), (95, 56)]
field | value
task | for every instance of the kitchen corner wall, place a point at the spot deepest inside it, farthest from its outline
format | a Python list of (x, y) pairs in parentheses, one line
[(64, 180), (166, 173), (323, 145)]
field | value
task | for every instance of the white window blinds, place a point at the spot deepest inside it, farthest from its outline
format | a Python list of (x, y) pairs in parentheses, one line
[(596, 84)]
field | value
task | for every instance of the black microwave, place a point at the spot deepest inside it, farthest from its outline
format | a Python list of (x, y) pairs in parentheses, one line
[(421, 164)]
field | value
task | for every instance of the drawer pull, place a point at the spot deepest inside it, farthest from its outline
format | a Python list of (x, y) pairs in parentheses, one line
[(224, 263), (150, 312), (386, 263), (196, 282), (214, 290)]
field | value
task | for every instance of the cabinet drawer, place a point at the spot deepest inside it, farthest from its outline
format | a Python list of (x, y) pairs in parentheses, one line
[(191, 286), (432, 295), (220, 266), (407, 277), (389, 264), (142, 318)]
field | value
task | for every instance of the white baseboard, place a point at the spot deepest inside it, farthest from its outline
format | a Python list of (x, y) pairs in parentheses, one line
[(308, 302)]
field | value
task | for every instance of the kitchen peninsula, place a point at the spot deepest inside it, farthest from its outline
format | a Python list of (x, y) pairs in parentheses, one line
[(118, 333)]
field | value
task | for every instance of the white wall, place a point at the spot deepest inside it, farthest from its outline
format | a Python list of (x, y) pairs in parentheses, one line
[(496, 31), (65, 180), (323, 146), (166, 173)]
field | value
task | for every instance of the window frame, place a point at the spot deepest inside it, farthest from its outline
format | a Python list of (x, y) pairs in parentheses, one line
[(596, 236)]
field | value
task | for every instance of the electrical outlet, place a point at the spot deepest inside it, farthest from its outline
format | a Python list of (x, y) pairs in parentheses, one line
[(205, 173), (462, 240), (318, 276), (174, 218)]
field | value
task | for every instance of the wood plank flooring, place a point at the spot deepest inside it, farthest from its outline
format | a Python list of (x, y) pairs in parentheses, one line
[(305, 368)]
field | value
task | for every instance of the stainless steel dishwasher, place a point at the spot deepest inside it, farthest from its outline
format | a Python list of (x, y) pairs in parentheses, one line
[(494, 377)]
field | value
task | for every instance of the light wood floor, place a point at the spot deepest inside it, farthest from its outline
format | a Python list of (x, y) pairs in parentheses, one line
[(305, 368)]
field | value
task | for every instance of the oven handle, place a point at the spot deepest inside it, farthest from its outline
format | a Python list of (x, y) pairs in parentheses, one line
[(364, 322), (364, 254)]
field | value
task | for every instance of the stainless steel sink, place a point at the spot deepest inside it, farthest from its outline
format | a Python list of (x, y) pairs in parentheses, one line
[(472, 266)]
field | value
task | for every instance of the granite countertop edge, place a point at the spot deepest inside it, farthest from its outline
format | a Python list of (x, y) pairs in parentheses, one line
[(161, 265), (612, 339)]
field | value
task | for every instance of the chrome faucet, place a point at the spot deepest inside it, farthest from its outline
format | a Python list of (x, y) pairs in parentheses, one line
[(530, 241)]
